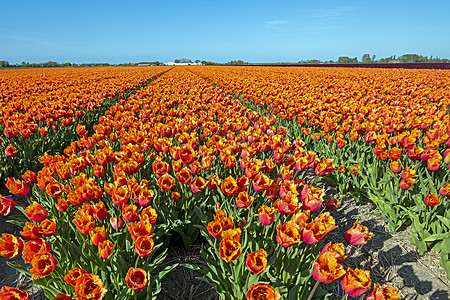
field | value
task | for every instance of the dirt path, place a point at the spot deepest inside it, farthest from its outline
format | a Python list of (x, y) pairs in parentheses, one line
[(391, 259)]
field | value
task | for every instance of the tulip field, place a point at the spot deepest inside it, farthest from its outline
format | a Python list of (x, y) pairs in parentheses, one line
[(104, 168)]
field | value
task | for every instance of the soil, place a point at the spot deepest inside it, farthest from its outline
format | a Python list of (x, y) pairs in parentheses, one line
[(391, 259)]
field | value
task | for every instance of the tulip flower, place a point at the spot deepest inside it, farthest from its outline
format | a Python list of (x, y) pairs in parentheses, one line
[(266, 215), (10, 246), (17, 187), (6, 205), (388, 293), (431, 200), (445, 190), (257, 261), (357, 234), (229, 249), (29, 176), (327, 269), (262, 291), (11, 293), (36, 212), (136, 279), (105, 248), (32, 247), (48, 227), (72, 276), (43, 264), (288, 234), (89, 286), (356, 282), (10, 151)]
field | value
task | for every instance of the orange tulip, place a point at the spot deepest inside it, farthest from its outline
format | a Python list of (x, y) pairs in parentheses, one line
[(388, 293), (266, 215), (229, 249), (160, 168), (356, 282), (89, 286), (48, 227), (431, 200), (61, 205), (43, 264), (32, 247), (198, 184), (17, 187), (229, 186), (261, 182), (97, 234), (6, 205), (445, 190), (84, 223), (62, 296), (141, 228), (11, 293), (166, 182), (288, 234), (72, 276), (244, 200), (257, 261), (99, 211), (315, 231), (36, 212), (184, 175), (10, 151), (136, 279), (357, 235), (262, 291), (213, 182), (120, 195), (327, 269), (30, 231), (105, 248), (332, 203), (149, 214), (10, 246), (130, 213), (232, 234), (29, 176), (144, 245)]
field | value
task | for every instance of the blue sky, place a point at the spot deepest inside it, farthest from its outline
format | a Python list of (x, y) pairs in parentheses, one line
[(255, 31)]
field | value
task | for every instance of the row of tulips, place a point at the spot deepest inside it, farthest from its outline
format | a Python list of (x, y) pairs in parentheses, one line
[(388, 132), (177, 159), (41, 110)]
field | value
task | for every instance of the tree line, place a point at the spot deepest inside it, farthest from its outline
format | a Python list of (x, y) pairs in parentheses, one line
[(366, 58)]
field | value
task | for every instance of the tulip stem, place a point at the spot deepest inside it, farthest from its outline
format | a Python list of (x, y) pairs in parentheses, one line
[(345, 297), (246, 281), (233, 275), (313, 290)]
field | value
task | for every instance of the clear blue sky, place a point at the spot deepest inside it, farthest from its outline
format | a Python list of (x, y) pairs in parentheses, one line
[(255, 31)]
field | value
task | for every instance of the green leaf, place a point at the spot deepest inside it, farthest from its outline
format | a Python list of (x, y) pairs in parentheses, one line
[(421, 245), (20, 268), (436, 237)]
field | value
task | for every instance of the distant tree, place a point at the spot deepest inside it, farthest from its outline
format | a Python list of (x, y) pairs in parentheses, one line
[(237, 62), (366, 58), (177, 61), (185, 61), (373, 57), (347, 60), (4, 64), (197, 61)]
